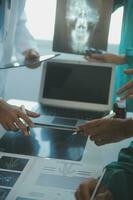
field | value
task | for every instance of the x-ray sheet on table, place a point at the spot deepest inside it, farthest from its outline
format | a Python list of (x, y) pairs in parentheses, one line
[(81, 24), (45, 142)]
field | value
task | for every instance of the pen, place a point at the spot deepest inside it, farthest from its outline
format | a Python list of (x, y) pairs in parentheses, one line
[(98, 184), (24, 111), (54, 126), (109, 116)]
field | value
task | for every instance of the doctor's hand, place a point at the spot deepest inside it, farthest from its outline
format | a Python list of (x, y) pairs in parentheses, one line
[(10, 118), (127, 90), (104, 131), (86, 189), (107, 57), (31, 57)]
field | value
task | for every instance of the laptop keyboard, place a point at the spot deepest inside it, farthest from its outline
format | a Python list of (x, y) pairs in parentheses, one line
[(69, 113)]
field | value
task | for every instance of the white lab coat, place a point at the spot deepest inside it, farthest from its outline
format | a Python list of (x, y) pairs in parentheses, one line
[(18, 37)]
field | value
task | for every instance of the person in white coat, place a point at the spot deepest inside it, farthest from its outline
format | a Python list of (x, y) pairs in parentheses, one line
[(14, 36)]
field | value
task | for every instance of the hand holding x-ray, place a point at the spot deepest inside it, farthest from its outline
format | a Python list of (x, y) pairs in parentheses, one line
[(27, 63), (31, 57)]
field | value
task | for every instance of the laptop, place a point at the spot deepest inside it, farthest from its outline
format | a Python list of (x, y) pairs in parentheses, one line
[(74, 91), (71, 93)]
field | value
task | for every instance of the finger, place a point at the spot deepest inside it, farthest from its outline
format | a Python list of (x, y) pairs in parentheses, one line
[(32, 114), (26, 119), (101, 197), (128, 71), (22, 127), (100, 135), (34, 65), (91, 124), (89, 127), (86, 188), (125, 87), (100, 142), (84, 192), (13, 127), (88, 58), (97, 56), (104, 196), (128, 94), (77, 195), (31, 54), (101, 139)]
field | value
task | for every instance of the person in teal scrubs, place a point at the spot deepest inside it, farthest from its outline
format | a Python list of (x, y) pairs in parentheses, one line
[(117, 183), (125, 48)]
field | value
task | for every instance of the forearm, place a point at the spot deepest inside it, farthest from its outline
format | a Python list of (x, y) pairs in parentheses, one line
[(120, 59)]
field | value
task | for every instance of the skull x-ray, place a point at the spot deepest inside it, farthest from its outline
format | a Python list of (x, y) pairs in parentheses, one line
[(81, 24)]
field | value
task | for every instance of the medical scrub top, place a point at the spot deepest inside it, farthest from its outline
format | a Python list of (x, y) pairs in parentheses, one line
[(126, 45), (119, 175)]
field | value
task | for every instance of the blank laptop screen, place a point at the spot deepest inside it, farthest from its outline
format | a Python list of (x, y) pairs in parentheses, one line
[(79, 83)]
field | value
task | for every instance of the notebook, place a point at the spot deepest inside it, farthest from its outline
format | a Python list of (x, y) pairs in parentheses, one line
[(74, 91)]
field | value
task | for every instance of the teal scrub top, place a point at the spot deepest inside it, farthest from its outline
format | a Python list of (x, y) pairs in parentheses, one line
[(126, 45), (119, 175)]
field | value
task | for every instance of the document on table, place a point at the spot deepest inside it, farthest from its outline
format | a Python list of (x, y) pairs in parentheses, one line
[(33, 178)]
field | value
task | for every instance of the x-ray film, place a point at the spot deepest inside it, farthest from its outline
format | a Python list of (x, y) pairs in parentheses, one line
[(81, 24)]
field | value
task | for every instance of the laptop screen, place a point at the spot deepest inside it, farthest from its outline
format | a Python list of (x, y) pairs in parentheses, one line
[(72, 82)]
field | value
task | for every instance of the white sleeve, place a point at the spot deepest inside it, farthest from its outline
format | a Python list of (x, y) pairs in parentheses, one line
[(23, 38)]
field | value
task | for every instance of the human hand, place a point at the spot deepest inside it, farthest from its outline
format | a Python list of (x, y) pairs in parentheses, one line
[(31, 57), (107, 57), (86, 189), (127, 89), (104, 131), (10, 118)]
